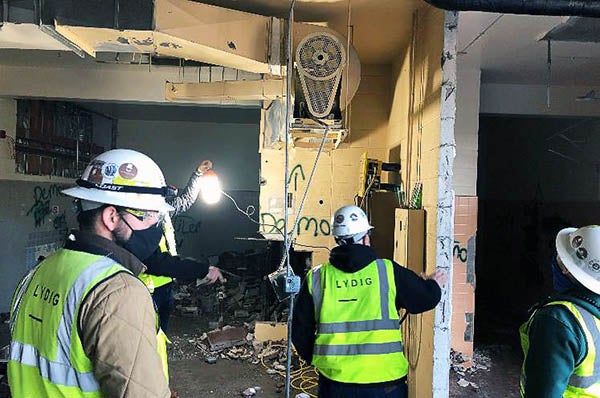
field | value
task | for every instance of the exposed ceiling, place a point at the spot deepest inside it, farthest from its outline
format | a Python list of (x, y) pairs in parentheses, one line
[(381, 28), (509, 49)]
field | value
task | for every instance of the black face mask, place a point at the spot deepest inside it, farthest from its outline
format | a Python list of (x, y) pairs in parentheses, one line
[(143, 242)]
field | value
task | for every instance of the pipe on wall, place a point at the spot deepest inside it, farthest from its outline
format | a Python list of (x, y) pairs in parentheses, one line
[(582, 8)]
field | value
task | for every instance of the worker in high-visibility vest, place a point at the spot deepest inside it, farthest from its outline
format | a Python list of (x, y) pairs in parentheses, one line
[(346, 320), (158, 251), (82, 324), (561, 339)]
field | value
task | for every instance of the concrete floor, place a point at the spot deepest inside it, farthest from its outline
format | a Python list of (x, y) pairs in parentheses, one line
[(228, 378), (500, 380)]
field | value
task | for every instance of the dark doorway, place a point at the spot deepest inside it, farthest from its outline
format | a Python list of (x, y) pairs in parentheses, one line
[(536, 175)]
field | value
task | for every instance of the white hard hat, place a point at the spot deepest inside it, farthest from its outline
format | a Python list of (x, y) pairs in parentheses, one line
[(123, 177), (579, 250), (350, 222)]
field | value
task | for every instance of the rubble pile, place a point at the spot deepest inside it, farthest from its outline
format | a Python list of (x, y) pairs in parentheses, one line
[(271, 355), (245, 297), (198, 346), (466, 367)]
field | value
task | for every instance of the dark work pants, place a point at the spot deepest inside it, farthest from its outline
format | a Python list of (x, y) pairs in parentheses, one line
[(333, 389), (165, 302)]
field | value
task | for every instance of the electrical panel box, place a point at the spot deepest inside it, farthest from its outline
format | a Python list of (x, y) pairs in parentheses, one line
[(409, 239)]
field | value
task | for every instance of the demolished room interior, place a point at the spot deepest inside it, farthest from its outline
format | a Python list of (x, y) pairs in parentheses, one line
[(183, 81)]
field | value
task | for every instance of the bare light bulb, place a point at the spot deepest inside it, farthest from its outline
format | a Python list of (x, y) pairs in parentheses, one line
[(210, 187)]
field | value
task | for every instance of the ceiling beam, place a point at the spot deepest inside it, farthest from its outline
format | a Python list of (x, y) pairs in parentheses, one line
[(225, 91)]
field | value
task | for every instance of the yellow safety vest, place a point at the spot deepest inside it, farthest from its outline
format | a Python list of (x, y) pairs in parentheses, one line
[(358, 329), (47, 357), (166, 245), (585, 380)]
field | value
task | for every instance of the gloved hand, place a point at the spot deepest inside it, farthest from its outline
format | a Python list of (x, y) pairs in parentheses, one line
[(204, 166), (174, 394)]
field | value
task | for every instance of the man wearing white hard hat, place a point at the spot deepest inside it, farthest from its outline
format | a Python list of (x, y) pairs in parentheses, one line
[(157, 249), (82, 323), (346, 321), (561, 339)]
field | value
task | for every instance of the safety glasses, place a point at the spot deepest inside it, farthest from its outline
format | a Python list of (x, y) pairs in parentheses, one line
[(144, 215)]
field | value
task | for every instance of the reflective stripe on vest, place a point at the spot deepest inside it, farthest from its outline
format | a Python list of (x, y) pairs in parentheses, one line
[(55, 372), (587, 373), (61, 371), (356, 327), (47, 357), (585, 380), (359, 349)]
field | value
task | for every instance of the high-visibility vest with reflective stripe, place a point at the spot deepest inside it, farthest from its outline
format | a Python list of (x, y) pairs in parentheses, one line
[(47, 357), (585, 380), (358, 329), (166, 246)]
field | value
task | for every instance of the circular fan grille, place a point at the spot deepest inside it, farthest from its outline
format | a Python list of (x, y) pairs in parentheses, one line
[(320, 56)]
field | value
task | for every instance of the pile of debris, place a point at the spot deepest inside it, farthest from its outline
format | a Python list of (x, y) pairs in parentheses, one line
[(465, 367), (246, 296), (231, 342), (239, 343)]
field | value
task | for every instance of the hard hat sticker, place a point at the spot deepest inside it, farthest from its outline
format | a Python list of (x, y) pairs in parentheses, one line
[(95, 175), (582, 253), (128, 171), (595, 266), (109, 170), (577, 241), (339, 219), (354, 216)]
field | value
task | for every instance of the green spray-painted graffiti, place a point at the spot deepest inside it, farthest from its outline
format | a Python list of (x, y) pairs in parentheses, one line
[(40, 208), (318, 227), (461, 253), (296, 171)]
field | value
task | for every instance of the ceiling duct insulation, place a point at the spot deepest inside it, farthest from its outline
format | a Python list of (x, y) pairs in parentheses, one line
[(188, 30), (116, 14), (583, 8), (576, 29)]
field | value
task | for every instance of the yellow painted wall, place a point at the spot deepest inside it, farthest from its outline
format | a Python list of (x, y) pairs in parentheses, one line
[(395, 116), (414, 134), (335, 182)]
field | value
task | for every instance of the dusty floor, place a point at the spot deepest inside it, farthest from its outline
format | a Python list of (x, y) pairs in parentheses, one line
[(497, 375), (192, 376)]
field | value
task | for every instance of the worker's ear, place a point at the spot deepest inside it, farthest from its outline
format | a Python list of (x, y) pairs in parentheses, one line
[(110, 217), (366, 240)]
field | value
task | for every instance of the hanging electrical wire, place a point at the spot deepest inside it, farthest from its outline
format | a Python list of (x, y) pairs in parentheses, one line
[(308, 184), (288, 109), (250, 210)]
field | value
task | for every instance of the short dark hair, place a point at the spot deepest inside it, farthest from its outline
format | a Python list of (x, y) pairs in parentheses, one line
[(87, 219)]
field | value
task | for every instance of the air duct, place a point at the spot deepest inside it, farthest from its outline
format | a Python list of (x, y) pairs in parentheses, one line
[(582, 8)]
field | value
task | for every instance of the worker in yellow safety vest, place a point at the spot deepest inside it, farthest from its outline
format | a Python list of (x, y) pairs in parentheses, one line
[(157, 249), (82, 324), (561, 339), (346, 320)]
